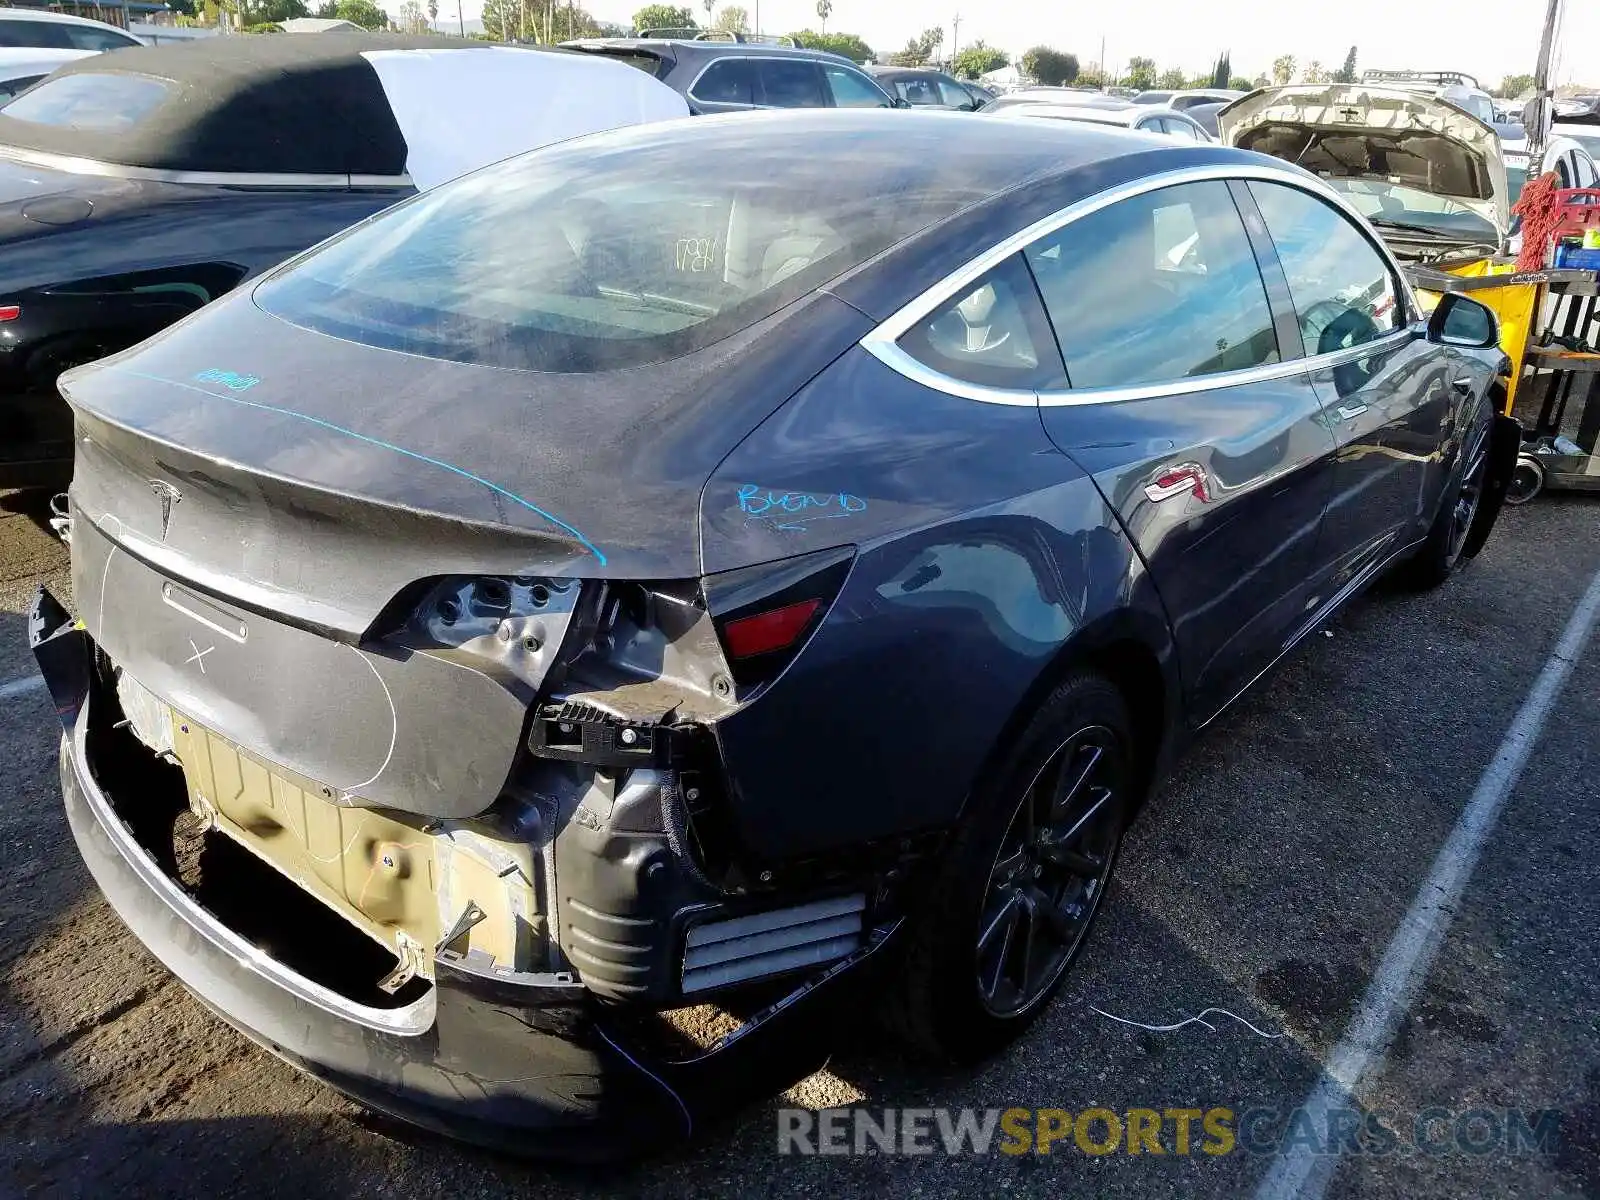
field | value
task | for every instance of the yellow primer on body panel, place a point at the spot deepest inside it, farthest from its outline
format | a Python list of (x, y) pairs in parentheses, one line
[(376, 870)]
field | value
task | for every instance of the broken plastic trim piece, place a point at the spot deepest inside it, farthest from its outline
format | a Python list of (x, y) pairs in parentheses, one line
[(576, 732)]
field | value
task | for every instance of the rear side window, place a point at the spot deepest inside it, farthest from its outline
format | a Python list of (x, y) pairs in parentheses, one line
[(100, 102), (87, 37), (918, 91), (34, 33), (851, 89), (993, 333), (791, 84), (1156, 288), (609, 252), (1344, 294), (727, 81)]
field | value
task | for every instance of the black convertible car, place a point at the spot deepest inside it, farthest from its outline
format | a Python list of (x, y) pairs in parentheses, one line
[(606, 585), (137, 185)]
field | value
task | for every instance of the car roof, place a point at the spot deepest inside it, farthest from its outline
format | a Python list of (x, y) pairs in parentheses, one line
[(45, 14), (895, 72)]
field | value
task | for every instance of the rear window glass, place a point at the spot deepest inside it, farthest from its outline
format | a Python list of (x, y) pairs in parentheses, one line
[(651, 64), (89, 101), (608, 252)]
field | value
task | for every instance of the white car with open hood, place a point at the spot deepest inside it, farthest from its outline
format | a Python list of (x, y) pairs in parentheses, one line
[(1429, 176)]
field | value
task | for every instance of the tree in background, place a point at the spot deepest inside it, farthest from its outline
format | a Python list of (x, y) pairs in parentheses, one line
[(1091, 77), (1512, 87), (848, 44), (708, 5), (361, 12), (1315, 73), (411, 18), (732, 18), (273, 11), (920, 48), (978, 59), (1240, 84), (824, 10), (1141, 73), (663, 16), (433, 14), (1260, 80), (1347, 73), (1050, 67), (1222, 72), (1283, 69), (1173, 79)]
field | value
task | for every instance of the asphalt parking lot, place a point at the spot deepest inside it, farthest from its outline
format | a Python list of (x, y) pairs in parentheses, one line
[(1267, 877)]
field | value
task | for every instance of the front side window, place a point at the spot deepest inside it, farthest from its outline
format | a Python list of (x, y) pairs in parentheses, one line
[(791, 84), (953, 94), (34, 33), (1156, 288), (1180, 128), (993, 333), (851, 89), (101, 102), (1344, 293), (727, 81)]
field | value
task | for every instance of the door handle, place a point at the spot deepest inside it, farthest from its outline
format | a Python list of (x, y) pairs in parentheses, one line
[(1350, 414), (1178, 479), (1462, 385)]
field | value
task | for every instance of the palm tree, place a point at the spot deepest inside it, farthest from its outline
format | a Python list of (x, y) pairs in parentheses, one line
[(433, 13), (709, 5), (824, 9)]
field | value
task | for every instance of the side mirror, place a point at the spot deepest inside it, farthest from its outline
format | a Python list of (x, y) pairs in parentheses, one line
[(1462, 321), (899, 102)]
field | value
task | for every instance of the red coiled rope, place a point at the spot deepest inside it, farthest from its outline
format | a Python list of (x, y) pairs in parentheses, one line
[(1540, 211)]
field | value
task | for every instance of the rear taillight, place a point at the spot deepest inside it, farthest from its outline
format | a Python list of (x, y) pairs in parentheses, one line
[(10, 312), (765, 614)]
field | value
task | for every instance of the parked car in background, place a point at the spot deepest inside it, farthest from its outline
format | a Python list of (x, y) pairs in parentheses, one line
[(1184, 101), (1565, 152), (60, 31), (510, 622), (22, 67), (1153, 96), (921, 87), (1205, 116), (717, 76), (1426, 174), (1454, 87), (141, 184), (1144, 118), (1072, 97)]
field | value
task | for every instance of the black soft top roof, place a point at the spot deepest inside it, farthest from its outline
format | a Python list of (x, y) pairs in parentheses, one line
[(273, 103)]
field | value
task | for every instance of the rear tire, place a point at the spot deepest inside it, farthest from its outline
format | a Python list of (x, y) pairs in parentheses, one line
[(1440, 556), (1012, 901)]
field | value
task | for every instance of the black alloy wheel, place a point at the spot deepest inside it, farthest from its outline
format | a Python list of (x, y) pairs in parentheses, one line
[(1050, 872)]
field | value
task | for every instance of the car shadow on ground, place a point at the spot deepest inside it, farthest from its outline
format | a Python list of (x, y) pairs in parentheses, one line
[(33, 504)]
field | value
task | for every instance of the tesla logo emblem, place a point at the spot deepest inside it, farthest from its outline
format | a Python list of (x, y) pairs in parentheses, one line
[(1350, 114), (199, 656), (169, 496)]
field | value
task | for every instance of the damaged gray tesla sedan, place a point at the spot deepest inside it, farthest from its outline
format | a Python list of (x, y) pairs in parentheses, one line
[(706, 563)]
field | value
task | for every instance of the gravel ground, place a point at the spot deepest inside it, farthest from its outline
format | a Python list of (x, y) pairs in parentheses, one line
[(1267, 877)]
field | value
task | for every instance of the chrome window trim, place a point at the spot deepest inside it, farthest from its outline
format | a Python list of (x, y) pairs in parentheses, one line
[(882, 342), (75, 165)]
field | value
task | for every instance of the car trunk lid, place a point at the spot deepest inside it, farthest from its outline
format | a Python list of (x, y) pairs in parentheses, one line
[(1388, 135), (317, 478)]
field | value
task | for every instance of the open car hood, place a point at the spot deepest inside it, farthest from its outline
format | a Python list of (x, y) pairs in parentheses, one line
[(1357, 131)]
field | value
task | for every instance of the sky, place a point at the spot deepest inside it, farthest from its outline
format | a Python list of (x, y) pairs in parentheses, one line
[(1486, 38)]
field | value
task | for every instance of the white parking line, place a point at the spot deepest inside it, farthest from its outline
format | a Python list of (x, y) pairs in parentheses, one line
[(21, 687), (1301, 1173)]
